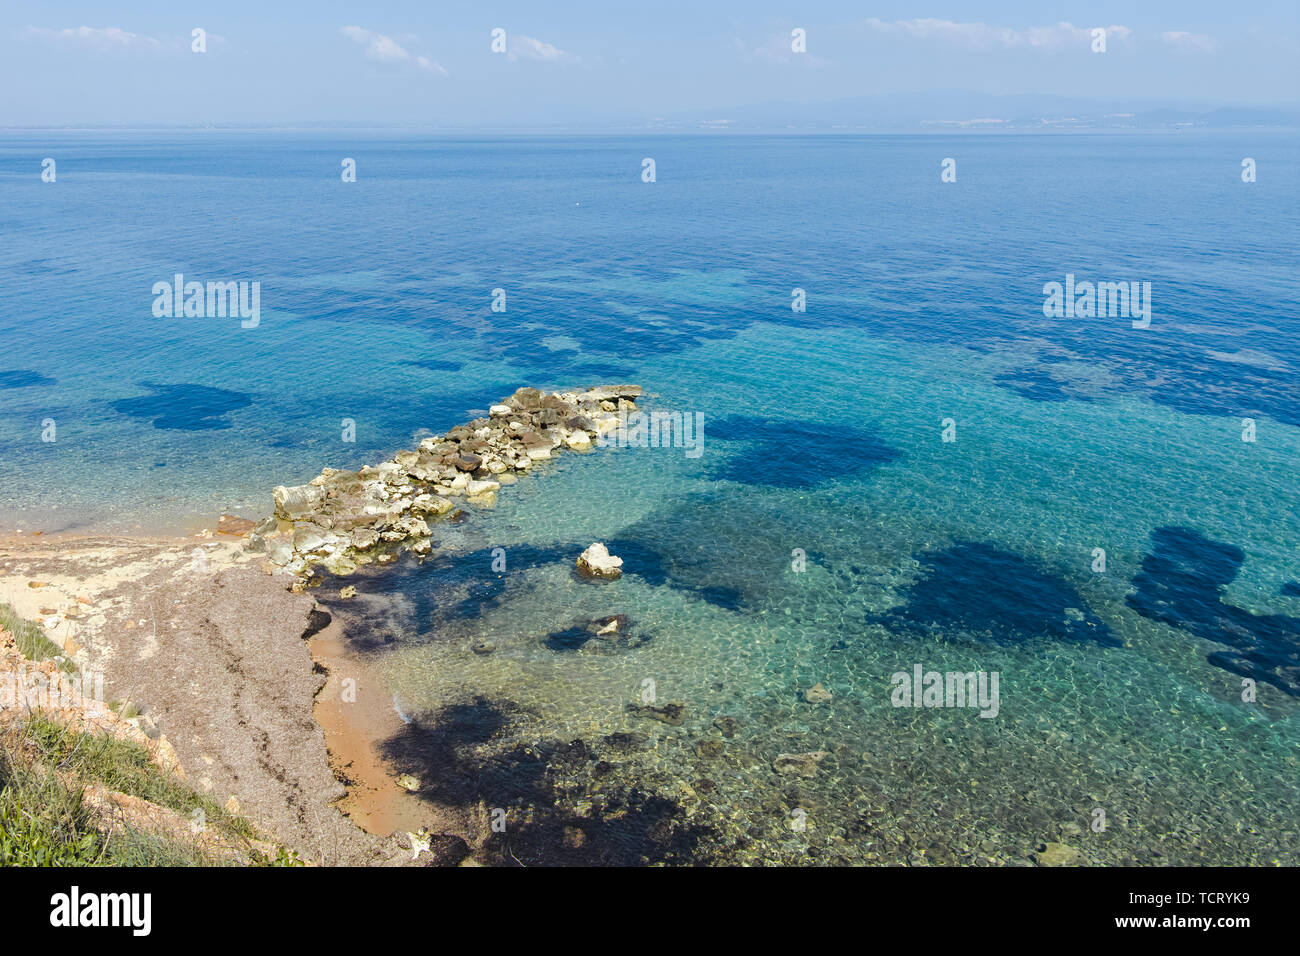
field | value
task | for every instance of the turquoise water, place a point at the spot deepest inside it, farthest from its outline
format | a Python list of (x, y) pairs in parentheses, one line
[(1121, 690)]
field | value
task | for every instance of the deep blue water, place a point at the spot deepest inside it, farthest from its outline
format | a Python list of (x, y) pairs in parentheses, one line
[(1121, 689)]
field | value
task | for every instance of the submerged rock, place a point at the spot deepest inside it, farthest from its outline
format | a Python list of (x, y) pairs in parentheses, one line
[(610, 393), (625, 742), (232, 524), (614, 624), (672, 713), (597, 562), (710, 749), (1057, 854), (805, 765), (818, 694), (1184, 581), (610, 632)]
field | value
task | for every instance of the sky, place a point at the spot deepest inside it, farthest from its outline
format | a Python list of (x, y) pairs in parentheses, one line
[(580, 63)]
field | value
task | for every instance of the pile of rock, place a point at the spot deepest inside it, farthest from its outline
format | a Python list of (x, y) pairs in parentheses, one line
[(342, 519)]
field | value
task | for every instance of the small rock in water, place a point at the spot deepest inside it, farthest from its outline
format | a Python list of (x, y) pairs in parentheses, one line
[(420, 842), (349, 591), (232, 524), (623, 741), (607, 626), (597, 562), (726, 726), (805, 765), (671, 713), (818, 694), (1057, 854), (579, 441), (709, 749), (484, 647)]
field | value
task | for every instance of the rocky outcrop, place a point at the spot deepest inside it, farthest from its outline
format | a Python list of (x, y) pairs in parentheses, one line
[(597, 562), (343, 519)]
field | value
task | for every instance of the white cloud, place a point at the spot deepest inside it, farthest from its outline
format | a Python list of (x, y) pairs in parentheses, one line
[(529, 48), (384, 49), (1190, 42), (98, 38), (982, 36)]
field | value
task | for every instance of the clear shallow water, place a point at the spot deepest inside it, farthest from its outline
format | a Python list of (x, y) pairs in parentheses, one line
[(925, 303)]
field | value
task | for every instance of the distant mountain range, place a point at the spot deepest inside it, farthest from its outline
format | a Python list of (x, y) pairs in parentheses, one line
[(964, 109), (894, 112)]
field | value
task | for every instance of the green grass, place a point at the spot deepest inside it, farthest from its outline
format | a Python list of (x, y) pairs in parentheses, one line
[(124, 709), (126, 767), (44, 823), (45, 767), (31, 640)]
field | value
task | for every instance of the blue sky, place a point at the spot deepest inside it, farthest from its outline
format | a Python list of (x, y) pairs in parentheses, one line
[(599, 63)]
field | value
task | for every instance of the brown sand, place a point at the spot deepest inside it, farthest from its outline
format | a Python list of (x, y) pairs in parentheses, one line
[(374, 799)]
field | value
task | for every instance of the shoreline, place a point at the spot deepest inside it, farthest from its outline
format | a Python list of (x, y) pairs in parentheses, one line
[(337, 521), (374, 799), (16, 528), (239, 704)]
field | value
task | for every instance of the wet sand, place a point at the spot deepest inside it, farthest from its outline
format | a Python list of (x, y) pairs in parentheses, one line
[(356, 713)]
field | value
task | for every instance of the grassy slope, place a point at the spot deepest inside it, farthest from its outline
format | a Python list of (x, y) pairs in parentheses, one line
[(44, 768), (31, 640)]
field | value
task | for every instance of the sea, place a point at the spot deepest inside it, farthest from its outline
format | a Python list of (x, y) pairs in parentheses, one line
[(989, 555)]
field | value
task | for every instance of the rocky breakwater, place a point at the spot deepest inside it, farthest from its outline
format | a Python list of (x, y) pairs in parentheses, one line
[(342, 519)]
